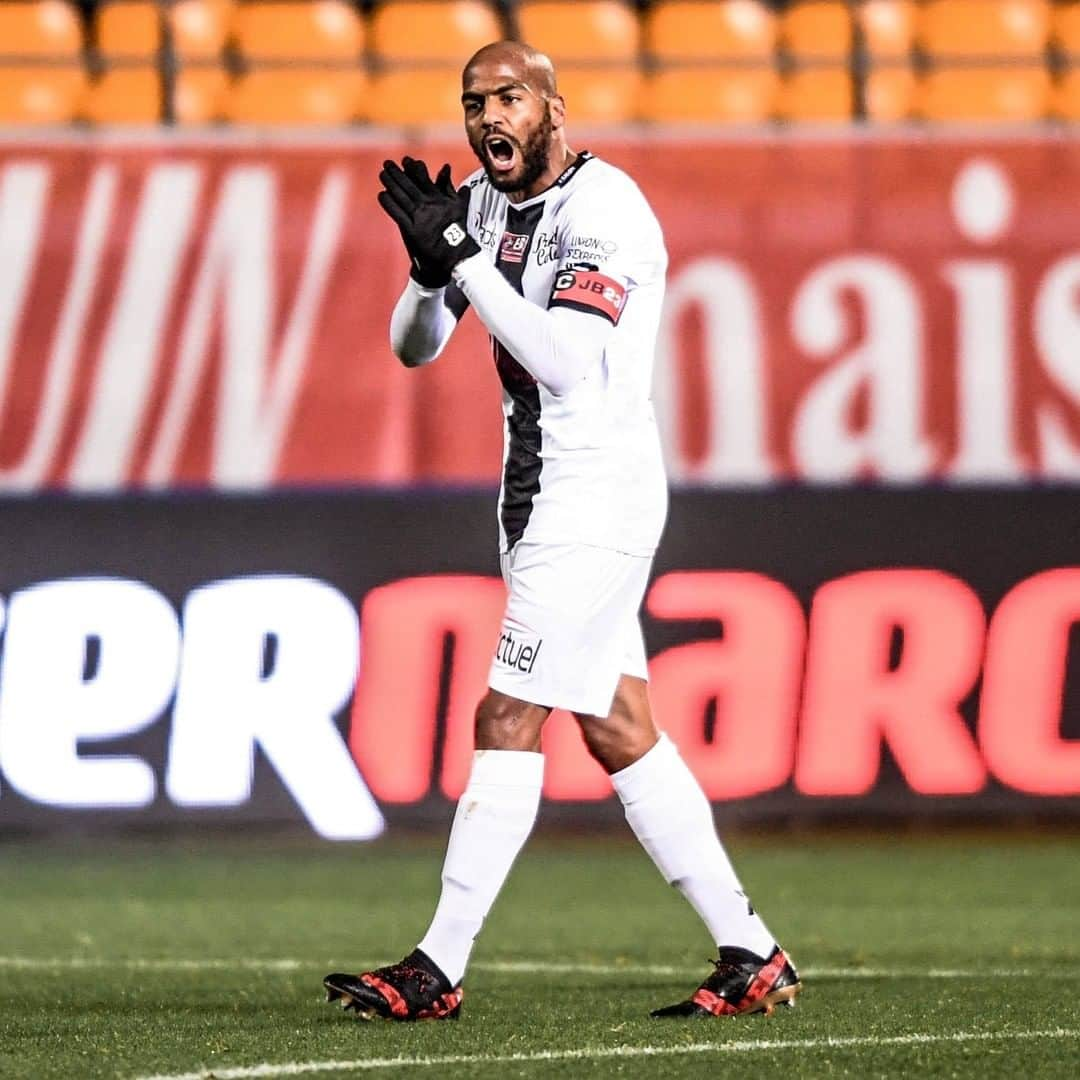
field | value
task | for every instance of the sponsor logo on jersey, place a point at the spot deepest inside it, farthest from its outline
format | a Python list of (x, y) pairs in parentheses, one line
[(589, 290), (514, 246), (518, 651)]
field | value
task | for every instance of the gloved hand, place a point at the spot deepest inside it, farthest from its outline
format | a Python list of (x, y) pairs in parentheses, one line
[(431, 216)]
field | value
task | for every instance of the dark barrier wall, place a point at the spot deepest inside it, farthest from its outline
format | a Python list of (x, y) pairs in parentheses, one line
[(316, 657)]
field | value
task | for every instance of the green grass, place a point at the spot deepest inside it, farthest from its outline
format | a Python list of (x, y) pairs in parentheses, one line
[(82, 932)]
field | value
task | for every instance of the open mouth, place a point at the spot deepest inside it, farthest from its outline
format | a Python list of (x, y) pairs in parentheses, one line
[(500, 153)]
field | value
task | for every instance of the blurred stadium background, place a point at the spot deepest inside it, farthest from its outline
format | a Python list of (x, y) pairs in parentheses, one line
[(248, 589)]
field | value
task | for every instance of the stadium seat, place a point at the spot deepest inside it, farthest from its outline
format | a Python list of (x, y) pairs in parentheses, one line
[(296, 96), (46, 82), (322, 30), (199, 28), (698, 30), (1065, 29), (40, 28), (125, 95), (416, 97), (128, 29), (997, 29), (199, 94), (581, 31), (40, 95), (817, 30), (695, 95), (822, 94), (442, 31), (888, 28), (889, 93), (610, 96), (1006, 94)]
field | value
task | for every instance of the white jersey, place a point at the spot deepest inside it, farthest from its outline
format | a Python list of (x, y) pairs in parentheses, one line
[(584, 467)]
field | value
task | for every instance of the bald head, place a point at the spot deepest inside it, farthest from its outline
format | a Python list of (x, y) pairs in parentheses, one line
[(517, 60)]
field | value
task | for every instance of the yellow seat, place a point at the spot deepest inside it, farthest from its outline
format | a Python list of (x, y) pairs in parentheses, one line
[(996, 29), (40, 94), (888, 27), (699, 30), (710, 96), (125, 95), (447, 31), (199, 28), (597, 97), (316, 97), (1010, 94), (817, 94), (1065, 28), (583, 31), (324, 30), (128, 29), (40, 28), (416, 97), (199, 94), (817, 30)]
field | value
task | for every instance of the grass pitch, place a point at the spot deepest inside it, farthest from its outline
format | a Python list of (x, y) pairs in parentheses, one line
[(953, 957)]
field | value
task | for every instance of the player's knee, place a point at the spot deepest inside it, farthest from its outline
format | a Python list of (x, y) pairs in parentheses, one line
[(505, 723), (617, 741)]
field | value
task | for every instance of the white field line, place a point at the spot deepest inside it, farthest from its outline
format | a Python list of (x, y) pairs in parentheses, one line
[(301, 1068), (502, 967)]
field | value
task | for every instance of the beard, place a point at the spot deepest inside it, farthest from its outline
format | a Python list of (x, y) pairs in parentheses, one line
[(534, 157)]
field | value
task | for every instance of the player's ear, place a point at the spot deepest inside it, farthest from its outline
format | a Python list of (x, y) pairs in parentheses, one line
[(558, 111)]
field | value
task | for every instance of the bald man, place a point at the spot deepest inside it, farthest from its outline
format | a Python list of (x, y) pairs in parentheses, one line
[(563, 260)]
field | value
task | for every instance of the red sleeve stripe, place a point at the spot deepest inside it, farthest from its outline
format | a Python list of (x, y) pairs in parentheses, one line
[(588, 290)]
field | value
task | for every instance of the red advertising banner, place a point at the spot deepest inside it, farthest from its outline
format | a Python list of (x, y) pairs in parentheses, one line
[(213, 313)]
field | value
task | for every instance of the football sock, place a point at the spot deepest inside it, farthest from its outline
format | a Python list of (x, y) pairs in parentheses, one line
[(493, 820), (672, 818)]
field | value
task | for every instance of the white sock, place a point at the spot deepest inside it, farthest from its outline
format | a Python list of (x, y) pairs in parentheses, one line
[(494, 817), (670, 815)]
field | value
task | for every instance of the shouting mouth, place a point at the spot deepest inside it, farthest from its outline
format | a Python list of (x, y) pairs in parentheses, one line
[(501, 153)]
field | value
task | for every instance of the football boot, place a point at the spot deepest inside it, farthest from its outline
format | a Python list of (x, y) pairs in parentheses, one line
[(412, 989), (741, 982)]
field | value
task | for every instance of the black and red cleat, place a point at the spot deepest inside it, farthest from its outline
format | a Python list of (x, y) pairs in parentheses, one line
[(412, 989), (742, 982)]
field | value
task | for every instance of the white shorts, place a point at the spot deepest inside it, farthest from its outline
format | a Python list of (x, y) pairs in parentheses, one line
[(571, 625)]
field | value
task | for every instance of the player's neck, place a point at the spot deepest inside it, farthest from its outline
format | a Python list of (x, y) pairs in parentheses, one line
[(559, 160)]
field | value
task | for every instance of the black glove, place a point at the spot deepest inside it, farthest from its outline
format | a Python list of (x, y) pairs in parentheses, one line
[(431, 216)]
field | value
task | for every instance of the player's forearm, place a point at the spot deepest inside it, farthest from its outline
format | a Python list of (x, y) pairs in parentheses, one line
[(420, 325), (555, 354)]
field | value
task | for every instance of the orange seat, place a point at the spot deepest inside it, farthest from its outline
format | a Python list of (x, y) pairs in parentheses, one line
[(710, 96), (313, 30), (1065, 99), (41, 28), (128, 28), (699, 30), (1001, 94), (40, 95), (817, 30), (1065, 28), (581, 30), (199, 94), (125, 95), (447, 31), (610, 95), (888, 27), (416, 97), (889, 94), (1001, 29), (817, 94), (199, 27), (296, 96)]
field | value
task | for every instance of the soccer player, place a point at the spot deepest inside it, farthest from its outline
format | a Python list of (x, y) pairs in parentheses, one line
[(563, 260)]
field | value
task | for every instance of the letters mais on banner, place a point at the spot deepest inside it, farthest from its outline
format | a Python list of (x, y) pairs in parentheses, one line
[(271, 662)]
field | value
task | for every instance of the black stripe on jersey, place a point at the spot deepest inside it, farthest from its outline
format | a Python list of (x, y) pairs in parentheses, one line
[(521, 474)]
